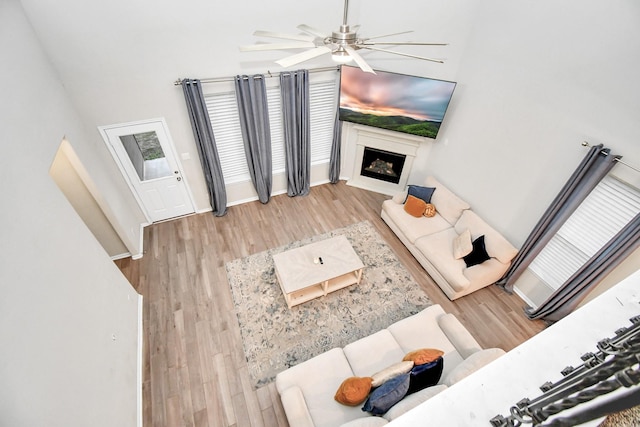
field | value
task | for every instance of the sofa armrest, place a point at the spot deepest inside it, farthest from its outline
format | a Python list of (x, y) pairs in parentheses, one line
[(486, 273), (474, 362), (296, 407), (461, 339), (400, 197)]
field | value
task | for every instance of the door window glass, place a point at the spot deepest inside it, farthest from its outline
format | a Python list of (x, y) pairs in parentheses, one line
[(146, 155)]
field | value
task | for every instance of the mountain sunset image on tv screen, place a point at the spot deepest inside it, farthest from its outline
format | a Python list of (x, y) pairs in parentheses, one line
[(397, 102)]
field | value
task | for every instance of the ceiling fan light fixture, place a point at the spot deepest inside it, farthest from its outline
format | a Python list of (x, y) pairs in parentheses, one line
[(343, 45), (341, 56)]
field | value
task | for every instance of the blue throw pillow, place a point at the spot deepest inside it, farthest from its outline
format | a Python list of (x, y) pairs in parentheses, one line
[(423, 193), (425, 375), (388, 394), (478, 254)]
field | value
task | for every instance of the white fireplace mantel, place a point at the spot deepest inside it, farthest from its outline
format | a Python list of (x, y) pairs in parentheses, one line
[(380, 139)]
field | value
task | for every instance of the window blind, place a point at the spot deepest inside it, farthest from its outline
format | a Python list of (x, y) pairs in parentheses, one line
[(609, 207), (225, 121)]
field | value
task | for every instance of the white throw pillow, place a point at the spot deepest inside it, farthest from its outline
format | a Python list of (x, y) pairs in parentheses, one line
[(392, 371), (462, 245)]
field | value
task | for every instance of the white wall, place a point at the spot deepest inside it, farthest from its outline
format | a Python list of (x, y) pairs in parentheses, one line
[(536, 80), (119, 59), (62, 297), (69, 175)]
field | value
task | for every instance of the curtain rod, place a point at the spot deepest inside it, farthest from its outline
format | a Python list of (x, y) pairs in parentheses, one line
[(586, 144), (268, 74)]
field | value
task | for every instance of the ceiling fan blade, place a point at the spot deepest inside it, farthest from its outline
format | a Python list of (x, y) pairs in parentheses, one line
[(387, 35), (402, 54), (303, 56), (299, 37), (359, 59), (276, 46), (313, 31), (403, 44)]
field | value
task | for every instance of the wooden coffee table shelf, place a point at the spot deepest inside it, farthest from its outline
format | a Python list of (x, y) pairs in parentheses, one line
[(301, 279)]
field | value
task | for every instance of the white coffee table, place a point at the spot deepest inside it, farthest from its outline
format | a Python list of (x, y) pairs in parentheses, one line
[(302, 277)]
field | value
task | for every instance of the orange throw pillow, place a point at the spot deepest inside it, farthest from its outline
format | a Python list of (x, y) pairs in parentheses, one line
[(414, 206), (353, 391), (424, 355)]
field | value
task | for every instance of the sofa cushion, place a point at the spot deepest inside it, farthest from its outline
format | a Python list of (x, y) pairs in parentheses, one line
[(413, 228), (438, 249), (422, 330), (388, 394), (422, 193), (425, 375), (373, 353), (497, 246), (414, 206), (353, 390), (392, 371), (411, 401), (449, 206), (478, 254)]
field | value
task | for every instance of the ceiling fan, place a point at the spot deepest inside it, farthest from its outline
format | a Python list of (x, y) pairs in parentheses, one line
[(342, 44)]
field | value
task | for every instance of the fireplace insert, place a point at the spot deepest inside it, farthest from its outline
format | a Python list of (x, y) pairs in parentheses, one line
[(382, 165)]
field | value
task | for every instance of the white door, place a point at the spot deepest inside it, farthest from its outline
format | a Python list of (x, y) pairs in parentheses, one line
[(145, 154)]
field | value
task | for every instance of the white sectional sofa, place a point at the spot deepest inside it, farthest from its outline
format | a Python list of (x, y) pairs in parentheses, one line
[(430, 240), (307, 390)]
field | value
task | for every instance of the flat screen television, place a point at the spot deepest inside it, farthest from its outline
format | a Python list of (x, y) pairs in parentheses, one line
[(398, 102)]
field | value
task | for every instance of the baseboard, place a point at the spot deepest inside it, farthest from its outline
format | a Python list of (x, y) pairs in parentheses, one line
[(140, 361), (120, 256), (141, 246), (524, 298), (205, 210)]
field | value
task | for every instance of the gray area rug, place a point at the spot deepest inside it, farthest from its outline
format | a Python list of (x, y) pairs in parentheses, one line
[(276, 337)]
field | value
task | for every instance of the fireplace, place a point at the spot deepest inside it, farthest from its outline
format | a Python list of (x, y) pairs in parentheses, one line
[(382, 165), (381, 159)]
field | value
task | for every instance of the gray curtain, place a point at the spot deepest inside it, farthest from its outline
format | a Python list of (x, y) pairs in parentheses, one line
[(203, 134), (572, 292), (334, 159), (595, 166), (294, 89), (251, 94)]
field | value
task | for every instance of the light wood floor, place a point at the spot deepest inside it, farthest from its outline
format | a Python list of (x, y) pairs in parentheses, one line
[(195, 373)]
